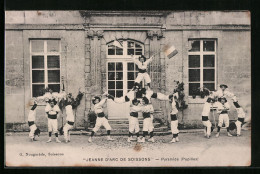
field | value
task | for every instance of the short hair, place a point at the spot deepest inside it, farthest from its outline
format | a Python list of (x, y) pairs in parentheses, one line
[(53, 100), (223, 85), (94, 98), (210, 99), (135, 100), (142, 56), (219, 99), (145, 99)]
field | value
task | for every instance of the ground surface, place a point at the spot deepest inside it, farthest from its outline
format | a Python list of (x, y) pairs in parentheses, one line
[(192, 150)]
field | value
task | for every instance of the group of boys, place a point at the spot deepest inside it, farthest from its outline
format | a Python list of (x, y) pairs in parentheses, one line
[(143, 106)]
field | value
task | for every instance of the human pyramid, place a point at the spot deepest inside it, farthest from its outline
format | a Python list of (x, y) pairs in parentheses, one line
[(142, 105)]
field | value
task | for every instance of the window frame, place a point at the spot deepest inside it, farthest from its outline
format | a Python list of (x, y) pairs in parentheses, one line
[(201, 53), (45, 55), (124, 56), (124, 59)]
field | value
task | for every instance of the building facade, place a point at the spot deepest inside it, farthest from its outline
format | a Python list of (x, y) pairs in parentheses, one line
[(75, 48)]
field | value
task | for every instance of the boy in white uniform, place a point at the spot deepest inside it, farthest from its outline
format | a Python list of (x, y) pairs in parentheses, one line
[(70, 118), (135, 107), (174, 120), (205, 117), (52, 110), (101, 119), (142, 64), (31, 120), (240, 118), (128, 97), (222, 110), (147, 123), (223, 92)]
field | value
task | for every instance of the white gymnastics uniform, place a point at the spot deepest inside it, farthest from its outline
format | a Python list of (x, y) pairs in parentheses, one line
[(52, 114), (50, 96), (147, 123), (31, 120), (101, 119), (219, 93), (128, 97), (174, 119), (142, 70), (133, 118), (223, 116), (205, 117), (241, 117), (70, 121)]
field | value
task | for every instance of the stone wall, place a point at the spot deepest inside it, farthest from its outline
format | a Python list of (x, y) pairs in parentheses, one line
[(84, 35)]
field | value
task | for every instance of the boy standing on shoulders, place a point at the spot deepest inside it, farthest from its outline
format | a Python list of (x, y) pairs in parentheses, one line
[(52, 110), (101, 119), (142, 64)]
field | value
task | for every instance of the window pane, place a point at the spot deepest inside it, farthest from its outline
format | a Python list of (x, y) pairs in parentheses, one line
[(53, 75), (137, 45), (130, 44), (194, 75), (130, 76), (54, 87), (130, 84), (208, 75), (208, 46), (37, 62), (37, 45), (210, 86), (195, 46), (38, 76), (111, 92), (119, 51), (193, 88), (111, 84), (194, 61), (111, 76), (130, 51), (111, 52), (119, 66), (37, 90), (111, 66), (119, 85), (138, 52), (53, 46), (119, 76), (208, 61), (130, 66), (53, 62), (119, 93)]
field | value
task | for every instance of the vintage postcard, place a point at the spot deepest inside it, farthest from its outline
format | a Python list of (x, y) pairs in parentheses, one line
[(127, 88)]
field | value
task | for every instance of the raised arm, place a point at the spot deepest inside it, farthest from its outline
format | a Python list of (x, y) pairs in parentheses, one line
[(102, 102), (149, 60)]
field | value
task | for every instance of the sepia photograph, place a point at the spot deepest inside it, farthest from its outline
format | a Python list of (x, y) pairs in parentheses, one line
[(90, 88)]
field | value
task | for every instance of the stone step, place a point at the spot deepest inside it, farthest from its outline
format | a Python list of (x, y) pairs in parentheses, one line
[(118, 132), (125, 129)]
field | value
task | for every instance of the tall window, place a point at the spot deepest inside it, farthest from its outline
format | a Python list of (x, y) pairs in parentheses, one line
[(45, 66), (202, 65), (121, 71)]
